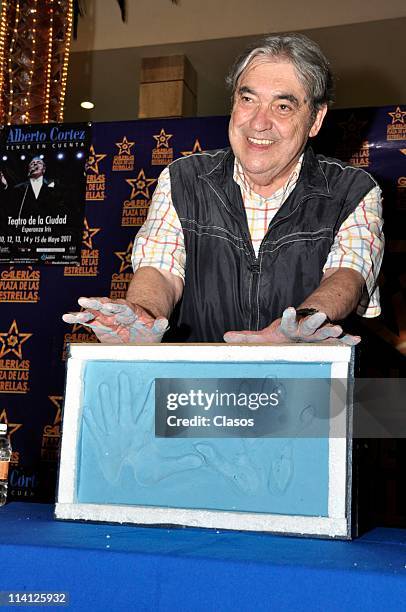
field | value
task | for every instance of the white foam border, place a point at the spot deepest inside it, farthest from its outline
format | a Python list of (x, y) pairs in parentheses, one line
[(338, 459), (306, 353), (336, 524), (211, 519)]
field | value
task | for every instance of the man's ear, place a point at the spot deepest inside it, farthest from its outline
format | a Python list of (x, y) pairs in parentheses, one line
[(321, 113)]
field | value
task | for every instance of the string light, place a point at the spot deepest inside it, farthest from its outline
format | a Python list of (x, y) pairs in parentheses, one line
[(10, 70), (3, 30), (34, 66), (49, 64), (64, 74), (31, 71)]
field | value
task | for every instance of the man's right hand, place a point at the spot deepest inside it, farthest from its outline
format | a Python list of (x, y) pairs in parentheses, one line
[(118, 321)]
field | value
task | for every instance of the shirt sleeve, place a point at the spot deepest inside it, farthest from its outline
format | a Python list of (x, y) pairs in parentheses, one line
[(359, 245), (160, 242)]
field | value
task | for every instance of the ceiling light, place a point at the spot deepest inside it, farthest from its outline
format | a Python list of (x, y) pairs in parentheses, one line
[(87, 105)]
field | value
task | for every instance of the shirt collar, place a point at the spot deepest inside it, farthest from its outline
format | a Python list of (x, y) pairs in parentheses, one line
[(247, 191)]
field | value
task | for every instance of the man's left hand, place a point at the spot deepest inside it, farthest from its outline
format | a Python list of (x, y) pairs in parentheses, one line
[(289, 328)]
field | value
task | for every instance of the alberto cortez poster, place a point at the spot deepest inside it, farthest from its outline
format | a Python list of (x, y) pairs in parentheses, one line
[(42, 192)]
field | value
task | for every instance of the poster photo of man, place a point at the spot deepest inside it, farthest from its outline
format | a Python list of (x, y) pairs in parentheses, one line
[(42, 192)]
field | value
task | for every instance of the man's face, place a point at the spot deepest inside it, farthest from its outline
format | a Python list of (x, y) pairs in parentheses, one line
[(270, 122), (36, 168)]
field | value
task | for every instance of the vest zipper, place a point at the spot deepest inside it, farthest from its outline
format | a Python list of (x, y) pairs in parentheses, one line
[(255, 269), (254, 261)]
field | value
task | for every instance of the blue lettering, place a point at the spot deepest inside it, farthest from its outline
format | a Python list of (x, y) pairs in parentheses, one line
[(62, 135), (21, 481), (17, 135)]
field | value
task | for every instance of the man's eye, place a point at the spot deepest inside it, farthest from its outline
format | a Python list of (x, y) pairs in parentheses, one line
[(246, 99), (284, 109)]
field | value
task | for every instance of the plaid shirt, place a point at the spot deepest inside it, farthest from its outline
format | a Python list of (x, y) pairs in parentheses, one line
[(358, 244)]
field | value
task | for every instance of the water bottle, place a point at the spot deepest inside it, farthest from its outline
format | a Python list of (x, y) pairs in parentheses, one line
[(5, 456)]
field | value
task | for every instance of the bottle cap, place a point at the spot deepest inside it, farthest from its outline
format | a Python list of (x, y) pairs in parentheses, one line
[(3, 428)]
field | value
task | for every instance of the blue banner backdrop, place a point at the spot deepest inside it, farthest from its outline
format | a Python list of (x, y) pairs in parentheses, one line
[(124, 162)]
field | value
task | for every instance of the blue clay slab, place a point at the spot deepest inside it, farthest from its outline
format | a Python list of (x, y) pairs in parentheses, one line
[(121, 461)]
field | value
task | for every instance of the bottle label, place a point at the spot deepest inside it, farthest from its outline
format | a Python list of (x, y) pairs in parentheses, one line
[(4, 465)]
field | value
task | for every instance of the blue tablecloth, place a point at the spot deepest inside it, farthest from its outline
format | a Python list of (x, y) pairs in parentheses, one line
[(113, 567)]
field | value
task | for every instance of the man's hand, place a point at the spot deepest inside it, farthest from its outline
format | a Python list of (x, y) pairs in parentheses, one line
[(3, 180), (118, 321), (122, 427), (289, 328)]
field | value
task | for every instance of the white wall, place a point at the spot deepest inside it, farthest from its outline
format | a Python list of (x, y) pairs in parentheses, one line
[(159, 22), (368, 58)]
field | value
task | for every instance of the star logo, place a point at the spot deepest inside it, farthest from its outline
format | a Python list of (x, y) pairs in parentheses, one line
[(398, 116), (125, 258), (162, 139), (196, 149), (352, 128), (11, 427), (125, 146), (140, 185), (88, 233), (93, 160), (57, 402), (12, 340), (78, 326)]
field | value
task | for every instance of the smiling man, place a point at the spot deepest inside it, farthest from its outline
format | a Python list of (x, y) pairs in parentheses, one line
[(271, 121), (262, 242)]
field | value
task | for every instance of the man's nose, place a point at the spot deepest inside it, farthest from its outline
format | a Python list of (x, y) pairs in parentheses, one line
[(262, 119)]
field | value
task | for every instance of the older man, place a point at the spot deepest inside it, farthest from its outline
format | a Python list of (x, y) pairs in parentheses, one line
[(36, 195), (263, 242)]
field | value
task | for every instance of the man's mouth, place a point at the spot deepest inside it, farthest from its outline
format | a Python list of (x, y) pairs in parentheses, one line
[(264, 142)]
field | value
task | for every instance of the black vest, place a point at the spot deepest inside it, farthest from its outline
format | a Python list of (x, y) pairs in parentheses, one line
[(226, 286)]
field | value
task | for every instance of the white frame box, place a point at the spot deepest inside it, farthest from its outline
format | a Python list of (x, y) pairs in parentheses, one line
[(336, 523)]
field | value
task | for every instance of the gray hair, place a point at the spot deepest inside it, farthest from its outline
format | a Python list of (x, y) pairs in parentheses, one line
[(311, 65)]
